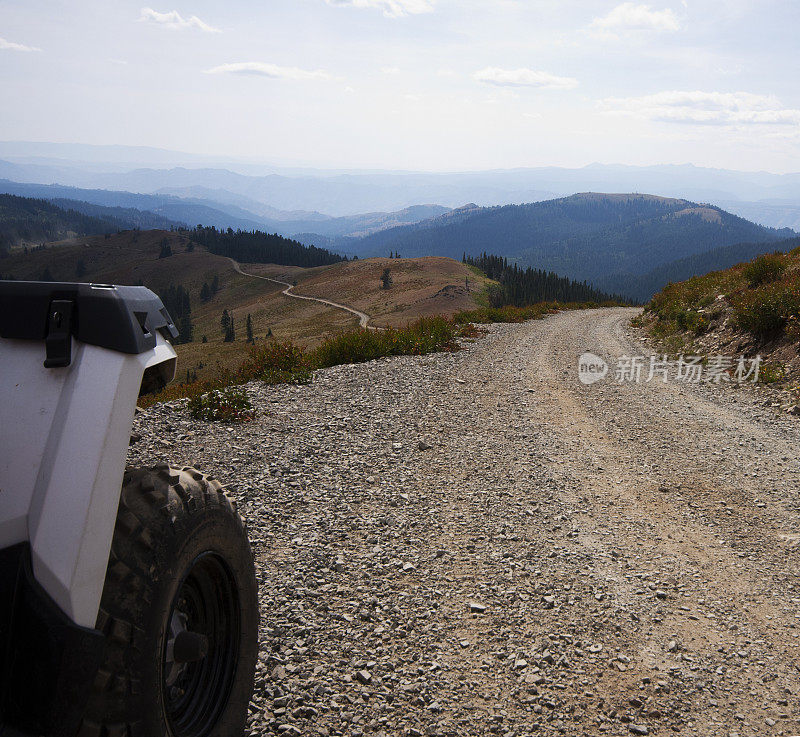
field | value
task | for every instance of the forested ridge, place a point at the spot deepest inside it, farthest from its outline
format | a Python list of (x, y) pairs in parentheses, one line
[(585, 236), (526, 286), (645, 286), (258, 247), (26, 220)]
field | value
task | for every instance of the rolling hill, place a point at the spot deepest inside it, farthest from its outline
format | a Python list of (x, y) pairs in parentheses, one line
[(586, 236)]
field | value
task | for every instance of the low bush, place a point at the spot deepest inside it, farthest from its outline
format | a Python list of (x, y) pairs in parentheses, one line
[(691, 320), (228, 404), (765, 269), (764, 311), (426, 335), (276, 362), (771, 373), (509, 313)]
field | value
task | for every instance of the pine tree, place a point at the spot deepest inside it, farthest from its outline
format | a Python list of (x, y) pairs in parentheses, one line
[(205, 292), (230, 333), (185, 328), (214, 285), (250, 338), (386, 279), (225, 322)]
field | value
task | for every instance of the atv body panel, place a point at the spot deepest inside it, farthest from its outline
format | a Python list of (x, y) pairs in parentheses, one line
[(72, 359)]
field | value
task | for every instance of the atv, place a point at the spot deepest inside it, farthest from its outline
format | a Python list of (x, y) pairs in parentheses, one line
[(128, 597)]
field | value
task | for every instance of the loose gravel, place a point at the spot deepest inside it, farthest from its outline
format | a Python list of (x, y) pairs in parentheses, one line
[(476, 543)]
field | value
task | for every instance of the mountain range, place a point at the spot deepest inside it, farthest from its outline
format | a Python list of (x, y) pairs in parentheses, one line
[(606, 239), (267, 191)]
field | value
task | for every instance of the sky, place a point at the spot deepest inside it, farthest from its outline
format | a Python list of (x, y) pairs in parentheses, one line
[(434, 85)]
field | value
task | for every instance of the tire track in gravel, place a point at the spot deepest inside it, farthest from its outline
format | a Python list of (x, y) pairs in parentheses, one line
[(654, 477)]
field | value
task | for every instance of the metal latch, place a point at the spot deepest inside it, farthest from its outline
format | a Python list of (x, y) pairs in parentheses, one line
[(59, 334)]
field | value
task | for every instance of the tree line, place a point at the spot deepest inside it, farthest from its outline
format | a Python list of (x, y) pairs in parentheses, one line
[(521, 287), (258, 247)]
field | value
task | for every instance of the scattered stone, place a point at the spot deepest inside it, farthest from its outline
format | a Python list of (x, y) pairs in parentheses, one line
[(370, 559)]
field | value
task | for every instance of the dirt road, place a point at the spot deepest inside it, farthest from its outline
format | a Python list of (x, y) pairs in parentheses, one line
[(363, 317), (476, 543)]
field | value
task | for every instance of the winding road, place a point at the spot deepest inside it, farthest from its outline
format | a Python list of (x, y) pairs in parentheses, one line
[(363, 317)]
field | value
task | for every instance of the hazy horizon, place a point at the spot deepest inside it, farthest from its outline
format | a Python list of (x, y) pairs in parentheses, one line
[(209, 161), (412, 85)]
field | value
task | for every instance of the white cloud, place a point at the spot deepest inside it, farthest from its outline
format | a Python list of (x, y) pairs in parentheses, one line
[(524, 78), (390, 70), (446, 72), (390, 8), (633, 17), (704, 108), (173, 19), (273, 71), (11, 46)]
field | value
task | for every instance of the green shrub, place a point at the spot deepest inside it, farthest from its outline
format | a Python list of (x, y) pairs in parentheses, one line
[(765, 310), (771, 373), (273, 355), (765, 269), (509, 313), (297, 376), (229, 404), (690, 320), (426, 335)]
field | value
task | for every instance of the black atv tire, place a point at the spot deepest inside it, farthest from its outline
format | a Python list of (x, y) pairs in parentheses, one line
[(180, 563)]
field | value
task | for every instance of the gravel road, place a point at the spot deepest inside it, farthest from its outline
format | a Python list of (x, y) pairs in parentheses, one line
[(476, 543)]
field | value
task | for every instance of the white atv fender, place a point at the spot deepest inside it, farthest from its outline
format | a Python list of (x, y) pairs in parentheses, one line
[(72, 361)]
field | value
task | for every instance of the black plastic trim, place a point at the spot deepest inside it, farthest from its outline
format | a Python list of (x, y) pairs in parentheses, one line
[(48, 662), (119, 318)]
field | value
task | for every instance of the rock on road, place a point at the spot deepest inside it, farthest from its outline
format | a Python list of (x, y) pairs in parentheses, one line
[(476, 543)]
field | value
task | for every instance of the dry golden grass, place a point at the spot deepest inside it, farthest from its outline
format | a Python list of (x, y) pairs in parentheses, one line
[(421, 287)]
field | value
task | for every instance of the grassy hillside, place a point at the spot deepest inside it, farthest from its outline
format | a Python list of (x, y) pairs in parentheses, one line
[(585, 237), (752, 308), (420, 287)]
